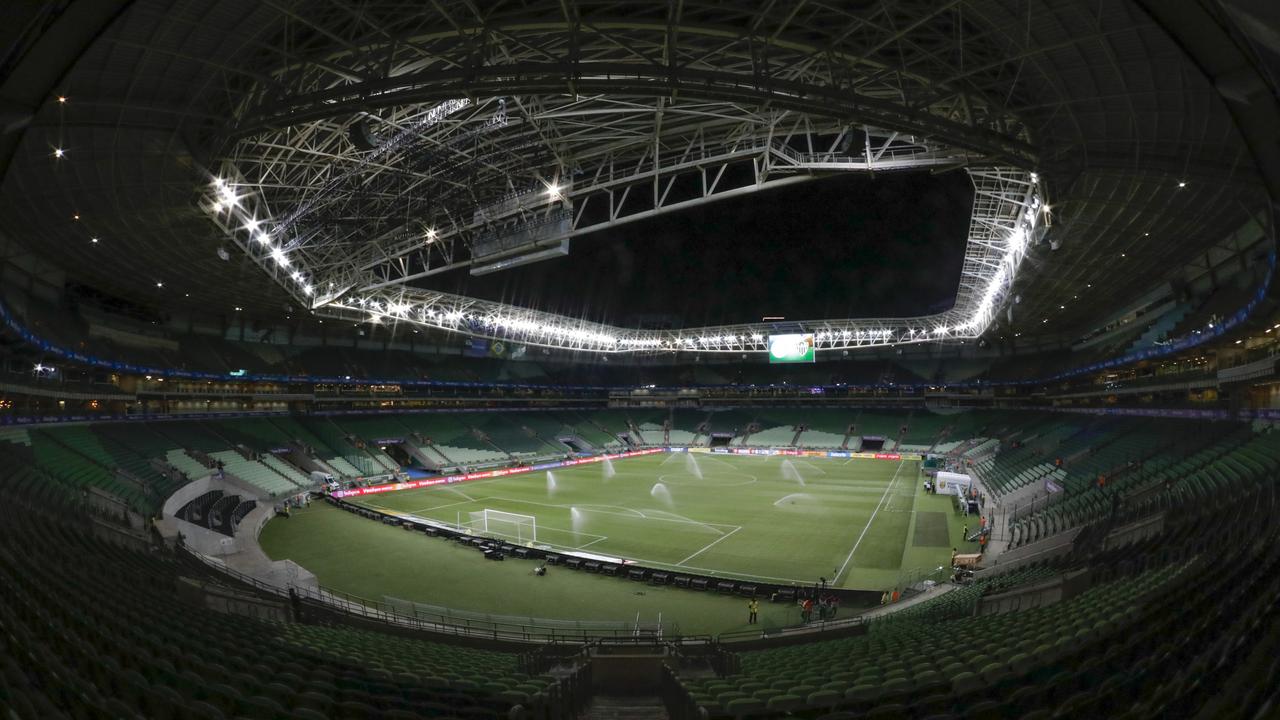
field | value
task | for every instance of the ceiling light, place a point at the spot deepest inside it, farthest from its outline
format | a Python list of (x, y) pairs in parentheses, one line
[(159, 284), (93, 240), (57, 152), (1182, 183), (252, 225), (62, 98), (281, 259), (76, 216)]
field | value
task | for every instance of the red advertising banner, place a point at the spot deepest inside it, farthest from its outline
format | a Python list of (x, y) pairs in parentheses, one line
[(500, 472)]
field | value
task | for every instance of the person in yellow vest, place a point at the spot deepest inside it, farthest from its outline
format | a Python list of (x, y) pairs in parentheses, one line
[(753, 611)]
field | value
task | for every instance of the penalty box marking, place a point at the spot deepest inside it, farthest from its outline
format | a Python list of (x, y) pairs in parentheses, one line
[(893, 481)]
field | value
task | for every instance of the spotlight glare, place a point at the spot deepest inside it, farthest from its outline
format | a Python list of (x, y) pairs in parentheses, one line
[(57, 152)]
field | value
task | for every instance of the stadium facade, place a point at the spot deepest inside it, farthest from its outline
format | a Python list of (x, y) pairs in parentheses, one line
[(233, 239)]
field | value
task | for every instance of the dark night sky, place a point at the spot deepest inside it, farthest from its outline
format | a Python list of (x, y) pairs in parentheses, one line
[(843, 246)]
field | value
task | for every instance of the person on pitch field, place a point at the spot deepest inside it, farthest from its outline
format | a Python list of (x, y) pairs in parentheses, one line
[(806, 609), (753, 611), (884, 598), (896, 595), (982, 543)]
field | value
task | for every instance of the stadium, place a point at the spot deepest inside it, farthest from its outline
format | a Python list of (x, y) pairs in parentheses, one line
[(597, 360)]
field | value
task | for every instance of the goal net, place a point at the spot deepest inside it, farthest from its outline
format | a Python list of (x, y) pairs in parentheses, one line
[(511, 526)]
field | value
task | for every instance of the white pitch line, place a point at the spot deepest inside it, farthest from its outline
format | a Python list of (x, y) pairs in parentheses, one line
[(593, 542), (437, 507), (892, 482), (709, 545)]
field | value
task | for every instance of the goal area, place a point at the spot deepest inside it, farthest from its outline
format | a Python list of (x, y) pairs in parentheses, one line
[(508, 526)]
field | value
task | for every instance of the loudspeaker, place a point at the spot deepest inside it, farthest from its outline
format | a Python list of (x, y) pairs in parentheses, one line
[(361, 136)]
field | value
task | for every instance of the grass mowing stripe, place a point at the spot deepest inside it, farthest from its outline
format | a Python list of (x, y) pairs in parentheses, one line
[(870, 520)]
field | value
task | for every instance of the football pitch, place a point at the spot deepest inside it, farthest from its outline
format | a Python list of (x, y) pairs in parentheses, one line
[(773, 518)]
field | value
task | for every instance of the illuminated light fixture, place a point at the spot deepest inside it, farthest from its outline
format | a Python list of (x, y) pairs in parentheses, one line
[(238, 308), (263, 239), (281, 259), (76, 216), (228, 195), (431, 235), (62, 99), (58, 152), (1182, 183), (297, 276), (159, 284), (93, 240), (553, 191), (1239, 341), (252, 225)]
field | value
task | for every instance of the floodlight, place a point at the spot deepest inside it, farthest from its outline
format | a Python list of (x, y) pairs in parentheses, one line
[(57, 152), (281, 259)]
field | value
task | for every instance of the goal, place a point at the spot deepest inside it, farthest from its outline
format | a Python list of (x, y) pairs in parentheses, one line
[(512, 526)]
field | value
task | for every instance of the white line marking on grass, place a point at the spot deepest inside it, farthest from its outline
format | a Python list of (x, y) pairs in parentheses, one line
[(892, 482), (709, 545), (437, 507), (456, 490), (683, 519), (593, 542)]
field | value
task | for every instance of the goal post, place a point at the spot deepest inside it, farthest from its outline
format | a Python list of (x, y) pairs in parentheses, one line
[(511, 526)]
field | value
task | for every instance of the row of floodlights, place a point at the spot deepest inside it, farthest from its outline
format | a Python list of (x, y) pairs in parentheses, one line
[(227, 200)]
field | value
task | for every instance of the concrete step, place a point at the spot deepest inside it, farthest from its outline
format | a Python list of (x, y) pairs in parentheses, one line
[(629, 707)]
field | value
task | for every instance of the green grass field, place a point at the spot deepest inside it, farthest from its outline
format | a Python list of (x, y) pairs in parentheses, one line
[(865, 522), (778, 519)]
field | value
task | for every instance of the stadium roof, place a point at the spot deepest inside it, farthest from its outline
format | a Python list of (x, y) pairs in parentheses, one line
[(365, 130)]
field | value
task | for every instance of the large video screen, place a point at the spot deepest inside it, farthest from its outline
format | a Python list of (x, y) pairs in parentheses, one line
[(791, 348)]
